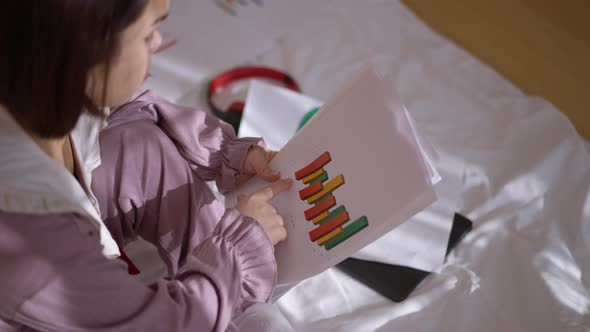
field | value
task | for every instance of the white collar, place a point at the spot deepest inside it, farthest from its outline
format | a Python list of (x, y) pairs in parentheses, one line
[(31, 182)]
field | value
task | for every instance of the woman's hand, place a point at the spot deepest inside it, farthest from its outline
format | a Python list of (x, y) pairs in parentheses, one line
[(258, 206), (256, 163)]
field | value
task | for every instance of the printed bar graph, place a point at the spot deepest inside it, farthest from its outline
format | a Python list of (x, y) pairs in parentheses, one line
[(320, 208), (329, 226), (322, 178), (231, 7), (228, 6), (332, 226), (329, 236), (328, 188), (323, 198), (349, 231), (320, 218), (333, 214), (313, 176), (315, 165)]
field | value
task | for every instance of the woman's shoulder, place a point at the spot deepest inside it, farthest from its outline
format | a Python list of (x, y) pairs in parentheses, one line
[(49, 237), (33, 248)]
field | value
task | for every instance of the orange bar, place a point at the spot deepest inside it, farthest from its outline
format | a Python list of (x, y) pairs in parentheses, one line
[(331, 225), (320, 208), (308, 191), (315, 165)]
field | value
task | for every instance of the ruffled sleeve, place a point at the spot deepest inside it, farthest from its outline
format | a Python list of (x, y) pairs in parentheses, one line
[(208, 144), (239, 259), (60, 281)]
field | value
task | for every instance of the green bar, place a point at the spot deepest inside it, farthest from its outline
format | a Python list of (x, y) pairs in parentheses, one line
[(333, 214), (348, 231), (321, 178)]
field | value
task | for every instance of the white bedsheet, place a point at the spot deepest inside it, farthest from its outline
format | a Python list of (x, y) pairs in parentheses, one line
[(512, 163)]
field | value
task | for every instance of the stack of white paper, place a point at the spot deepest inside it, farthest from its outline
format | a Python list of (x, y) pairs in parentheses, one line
[(361, 148)]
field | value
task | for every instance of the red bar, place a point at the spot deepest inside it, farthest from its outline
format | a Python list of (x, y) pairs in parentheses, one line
[(309, 191), (318, 209), (331, 225), (315, 165)]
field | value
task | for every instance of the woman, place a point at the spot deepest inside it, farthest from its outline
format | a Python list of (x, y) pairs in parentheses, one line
[(61, 63)]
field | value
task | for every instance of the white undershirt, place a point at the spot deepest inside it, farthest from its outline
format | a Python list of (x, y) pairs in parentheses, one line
[(33, 183)]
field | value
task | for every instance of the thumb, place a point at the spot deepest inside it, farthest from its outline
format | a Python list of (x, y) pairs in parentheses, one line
[(269, 174)]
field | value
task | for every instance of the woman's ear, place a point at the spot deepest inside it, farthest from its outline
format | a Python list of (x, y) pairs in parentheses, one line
[(96, 85)]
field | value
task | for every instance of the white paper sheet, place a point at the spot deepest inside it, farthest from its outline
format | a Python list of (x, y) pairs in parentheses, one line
[(274, 113), (386, 178)]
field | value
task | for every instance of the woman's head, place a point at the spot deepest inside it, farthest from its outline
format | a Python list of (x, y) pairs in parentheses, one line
[(59, 58)]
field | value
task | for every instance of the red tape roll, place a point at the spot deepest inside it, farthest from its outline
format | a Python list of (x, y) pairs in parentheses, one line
[(233, 114)]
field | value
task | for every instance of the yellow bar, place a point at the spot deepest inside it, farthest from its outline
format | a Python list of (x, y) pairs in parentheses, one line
[(321, 217), (312, 176), (328, 188), (329, 236)]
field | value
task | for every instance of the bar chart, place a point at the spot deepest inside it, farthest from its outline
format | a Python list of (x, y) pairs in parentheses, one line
[(231, 6), (331, 221)]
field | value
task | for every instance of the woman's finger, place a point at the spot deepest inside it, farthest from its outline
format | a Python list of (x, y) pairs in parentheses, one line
[(268, 193), (269, 174)]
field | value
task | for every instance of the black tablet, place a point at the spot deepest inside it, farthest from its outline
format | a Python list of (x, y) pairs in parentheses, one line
[(394, 281)]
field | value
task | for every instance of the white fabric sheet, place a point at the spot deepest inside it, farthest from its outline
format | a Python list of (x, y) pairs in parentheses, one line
[(203, 38), (513, 163)]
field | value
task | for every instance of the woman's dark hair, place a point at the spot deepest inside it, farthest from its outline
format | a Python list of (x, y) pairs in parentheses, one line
[(47, 49)]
